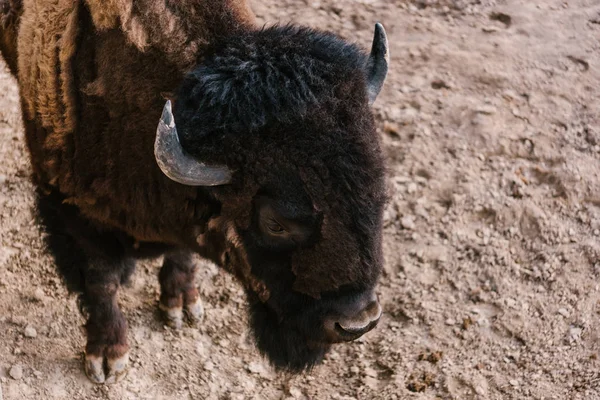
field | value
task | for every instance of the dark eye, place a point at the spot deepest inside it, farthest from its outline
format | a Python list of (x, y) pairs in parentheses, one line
[(274, 227)]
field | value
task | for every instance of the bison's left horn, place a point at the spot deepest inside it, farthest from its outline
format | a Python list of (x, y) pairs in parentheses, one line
[(377, 65), (176, 164)]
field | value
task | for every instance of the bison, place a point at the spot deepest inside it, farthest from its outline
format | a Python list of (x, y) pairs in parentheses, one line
[(265, 160)]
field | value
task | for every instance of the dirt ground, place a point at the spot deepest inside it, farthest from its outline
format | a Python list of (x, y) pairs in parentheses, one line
[(489, 120)]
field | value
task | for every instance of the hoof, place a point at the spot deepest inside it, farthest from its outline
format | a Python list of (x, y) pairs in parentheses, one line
[(173, 316), (195, 311), (94, 368), (106, 370), (116, 368)]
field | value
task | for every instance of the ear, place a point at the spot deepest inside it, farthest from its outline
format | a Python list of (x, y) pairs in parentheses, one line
[(377, 65), (179, 166)]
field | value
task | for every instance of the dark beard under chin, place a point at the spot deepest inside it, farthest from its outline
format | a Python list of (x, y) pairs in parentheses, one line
[(284, 343)]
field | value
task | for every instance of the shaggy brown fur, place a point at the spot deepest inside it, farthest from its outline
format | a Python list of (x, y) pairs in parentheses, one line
[(59, 42), (10, 11)]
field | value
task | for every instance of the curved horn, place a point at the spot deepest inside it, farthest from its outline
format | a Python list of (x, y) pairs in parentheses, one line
[(176, 164), (377, 65)]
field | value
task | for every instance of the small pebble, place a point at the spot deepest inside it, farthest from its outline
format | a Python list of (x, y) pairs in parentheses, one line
[(16, 372), (575, 333), (486, 109), (255, 368), (297, 393), (490, 29), (209, 366), (408, 222), (30, 332), (39, 295), (563, 312)]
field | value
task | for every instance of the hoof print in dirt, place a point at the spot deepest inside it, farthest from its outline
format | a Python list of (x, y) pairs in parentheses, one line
[(421, 382), (433, 357)]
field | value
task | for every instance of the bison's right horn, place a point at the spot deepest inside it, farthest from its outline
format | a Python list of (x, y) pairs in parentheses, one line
[(179, 166)]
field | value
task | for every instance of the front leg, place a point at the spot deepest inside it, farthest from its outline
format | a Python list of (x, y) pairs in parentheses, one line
[(178, 289), (106, 351), (92, 264)]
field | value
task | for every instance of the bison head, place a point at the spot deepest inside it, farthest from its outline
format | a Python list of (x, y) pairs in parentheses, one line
[(275, 126)]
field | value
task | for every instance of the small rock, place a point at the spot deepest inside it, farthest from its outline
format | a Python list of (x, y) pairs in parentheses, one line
[(486, 109), (411, 187), (295, 392), (16, 372), (370, 372), (450, 321), (39, 295), (514, 382), (408, 222), (490, 29), (30, 332), (209, 366), (563, 312), (255, 368), (575, 333)]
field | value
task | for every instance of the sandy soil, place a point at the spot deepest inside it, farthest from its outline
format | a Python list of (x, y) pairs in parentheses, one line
[(491, 287)]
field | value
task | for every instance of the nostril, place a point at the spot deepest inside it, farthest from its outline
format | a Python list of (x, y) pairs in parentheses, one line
[(346, 329)]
